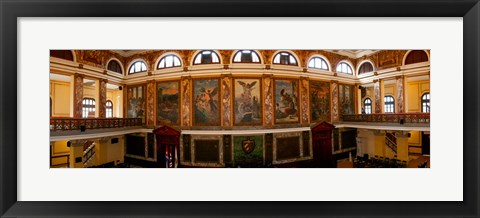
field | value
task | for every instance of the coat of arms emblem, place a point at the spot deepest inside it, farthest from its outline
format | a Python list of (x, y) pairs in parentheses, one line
[(248, 145)]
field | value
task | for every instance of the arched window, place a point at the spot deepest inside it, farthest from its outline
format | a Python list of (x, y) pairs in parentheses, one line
[(246, 56), (426, 103), (389, 104), (169, 61), (88, 107), (109, 109), (366, 67), (63, 54), (343, 67), (318, 63), (285, 58), (416, 56), (367, 104), (114, 66), (206, 57), (138, 66)]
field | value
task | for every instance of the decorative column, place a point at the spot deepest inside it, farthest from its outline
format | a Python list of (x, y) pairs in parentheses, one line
[(150, 110), (334, 90), (102, 101), (77, 95), (378, 96), (186, 87), (304, 93), (226, 101), (357, 96), (402, 145), (379, 143), (400, 95), (268, 101)]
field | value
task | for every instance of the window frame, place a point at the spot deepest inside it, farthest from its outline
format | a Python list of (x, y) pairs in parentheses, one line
[(289, 55), (389, 104), (369, 105), (119, 65), (107, 108), (133, 65), (359, 72), (201, 58), (348, 65), (322, 61), (173, 60), (240, 52), (425, 101), (88, 107)]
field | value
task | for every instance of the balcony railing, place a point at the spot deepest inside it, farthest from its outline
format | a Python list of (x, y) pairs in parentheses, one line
[(67, 124), (423, 118)]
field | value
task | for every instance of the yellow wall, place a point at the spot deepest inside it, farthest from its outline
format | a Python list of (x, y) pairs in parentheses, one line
[(116, 96), (59, 148), (106, 152), (390, 90), (415, 140), (60, 94), (89, 92), (415, 90)]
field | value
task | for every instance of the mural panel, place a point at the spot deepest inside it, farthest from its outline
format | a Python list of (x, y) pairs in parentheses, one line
[(248, 151), (247, 102), (168, 107), (345, 99), (206, 102), (136, 102), (320, 101), (286, 101)]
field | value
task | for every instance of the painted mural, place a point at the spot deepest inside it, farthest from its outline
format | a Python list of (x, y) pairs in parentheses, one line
[(248, 151), (247, 101), (286, 101), (320, 101), (206, 102), (168, 99), (345, 99), (136, 102)]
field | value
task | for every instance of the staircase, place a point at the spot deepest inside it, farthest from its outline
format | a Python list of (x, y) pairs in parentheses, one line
[(391, 142)]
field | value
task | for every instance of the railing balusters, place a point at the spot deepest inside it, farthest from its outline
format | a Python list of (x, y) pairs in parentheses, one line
[(423, 118), (67, 124)]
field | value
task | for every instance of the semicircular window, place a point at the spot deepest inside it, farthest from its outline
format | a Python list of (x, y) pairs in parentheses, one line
[(318, 63), (246, 56), (137, 66), (285, 58), (169, 61), (206, 57), (343, 67), (114, 66)]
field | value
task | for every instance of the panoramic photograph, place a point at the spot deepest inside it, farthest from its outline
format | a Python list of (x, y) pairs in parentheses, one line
[(242, 108)]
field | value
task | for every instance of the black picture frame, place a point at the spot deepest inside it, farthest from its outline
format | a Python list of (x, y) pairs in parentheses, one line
[(10, 10)]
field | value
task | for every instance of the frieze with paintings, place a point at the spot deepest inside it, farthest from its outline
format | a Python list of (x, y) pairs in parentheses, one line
[(247, 102), (136, 102), (168, 99), (248, 151), (320, 101), (345, 99), (286, 101), (206, 102)]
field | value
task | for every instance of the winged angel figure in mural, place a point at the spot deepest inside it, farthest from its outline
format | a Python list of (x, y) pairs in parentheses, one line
[(249, 105)]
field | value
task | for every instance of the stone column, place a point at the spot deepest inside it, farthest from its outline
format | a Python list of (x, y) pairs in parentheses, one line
[(378, 97), (186, 92), (77, 95), (226, 101), (150, 104), (102, 101), (304, 93), (379, 143), (334, 90), (402, 145), (268, 106), (400, 95)]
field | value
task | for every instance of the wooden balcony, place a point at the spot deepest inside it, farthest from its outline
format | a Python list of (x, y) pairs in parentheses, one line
[(68, 124), (403, 118)]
